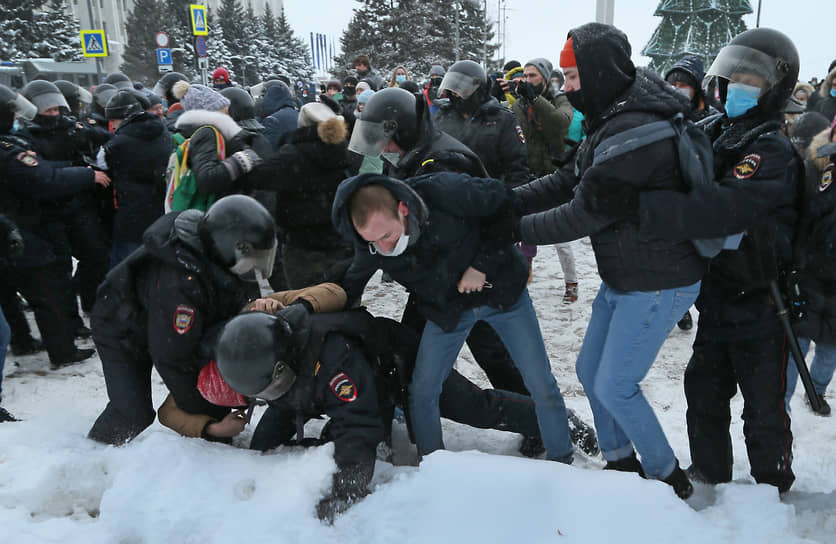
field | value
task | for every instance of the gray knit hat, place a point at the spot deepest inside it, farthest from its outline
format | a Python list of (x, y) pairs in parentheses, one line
[(199, 97), (543, 66)]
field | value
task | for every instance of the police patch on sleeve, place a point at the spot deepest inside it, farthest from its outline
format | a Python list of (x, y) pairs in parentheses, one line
[(520, 133), (183, 318), (827, 177), (27, 159), (746, 168), (343, 388)]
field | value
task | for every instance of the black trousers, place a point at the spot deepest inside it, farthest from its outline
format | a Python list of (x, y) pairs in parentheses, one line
[(45, 289), (758, 366), (487, 349), (13, 310)]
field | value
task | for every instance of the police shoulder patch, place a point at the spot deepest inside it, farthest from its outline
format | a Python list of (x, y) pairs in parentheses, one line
[(183, 318), (747, 167), (827, 177), (27, 159), (343, 387)]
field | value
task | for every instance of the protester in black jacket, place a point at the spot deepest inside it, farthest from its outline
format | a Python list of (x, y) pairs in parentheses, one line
[(647, 286), (307, 171), (155, 305), (136, 158), (740, 341)]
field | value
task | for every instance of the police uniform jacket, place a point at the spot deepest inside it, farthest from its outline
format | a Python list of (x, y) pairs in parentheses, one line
[(494, 134), (162, 298), (25, 179)]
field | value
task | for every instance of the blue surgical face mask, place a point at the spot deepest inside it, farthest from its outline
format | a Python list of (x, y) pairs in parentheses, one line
[(833, 93), (400, 78), (741, 98)]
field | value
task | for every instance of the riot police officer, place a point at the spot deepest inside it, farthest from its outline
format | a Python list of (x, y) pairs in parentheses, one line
[(153, 308)]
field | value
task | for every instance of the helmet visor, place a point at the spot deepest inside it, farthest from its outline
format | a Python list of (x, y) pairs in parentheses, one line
[(23, 107), (746, 65), (103, 97), (283, 379), (249, 259), (369, 137), (49, 100), (460, 84)]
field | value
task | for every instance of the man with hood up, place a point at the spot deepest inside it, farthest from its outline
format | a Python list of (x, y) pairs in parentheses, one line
[(280, 115), (646, 286)]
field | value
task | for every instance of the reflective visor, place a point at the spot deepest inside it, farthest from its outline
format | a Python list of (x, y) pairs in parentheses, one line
[(50, 100), (24, 108), (283, 379), (369, 138), (255, 259), (736, 62), (461, 84)]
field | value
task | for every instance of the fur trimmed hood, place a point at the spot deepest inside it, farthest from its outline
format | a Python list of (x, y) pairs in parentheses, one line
[(332, 131), (820, 139), (190, 120)]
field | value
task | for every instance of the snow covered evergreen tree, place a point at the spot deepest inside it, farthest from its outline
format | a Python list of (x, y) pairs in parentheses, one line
[(694, 27), (231, 19), (218, 51), (178, 25), (56, 34), (140, 57), (293, 54)]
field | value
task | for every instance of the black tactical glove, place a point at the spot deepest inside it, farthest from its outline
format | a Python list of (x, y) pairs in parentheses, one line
[(501, 229), (526, 91)]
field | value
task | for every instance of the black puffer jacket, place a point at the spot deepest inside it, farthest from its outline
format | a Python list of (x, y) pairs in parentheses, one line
[(136, 157), (307, 172), (494, 134), (210, 172), (445, 210), (616, 98)]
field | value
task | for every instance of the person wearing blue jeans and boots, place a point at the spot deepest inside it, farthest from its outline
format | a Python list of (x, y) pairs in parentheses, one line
[(647, 285), (427, 234), (821, 372)]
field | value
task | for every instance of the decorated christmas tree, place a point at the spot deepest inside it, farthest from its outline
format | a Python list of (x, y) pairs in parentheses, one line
[(694, 27)]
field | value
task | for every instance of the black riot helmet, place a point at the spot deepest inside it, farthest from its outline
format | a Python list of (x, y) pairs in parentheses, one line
[(255, 355), (466, 85), (762, 52), (239, 234), (101, 96), (125, 103), (242, 108), (390, 114), (119, 80), (44, 95), (11, 104), (77, 97), (166, 83)]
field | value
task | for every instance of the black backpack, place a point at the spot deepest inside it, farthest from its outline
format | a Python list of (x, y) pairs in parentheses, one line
[(696, 162)]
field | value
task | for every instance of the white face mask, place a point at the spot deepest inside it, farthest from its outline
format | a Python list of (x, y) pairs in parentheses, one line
[(399, 247), (685, 91)]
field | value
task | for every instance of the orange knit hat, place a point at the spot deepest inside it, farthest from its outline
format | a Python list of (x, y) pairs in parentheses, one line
[(567, 56)]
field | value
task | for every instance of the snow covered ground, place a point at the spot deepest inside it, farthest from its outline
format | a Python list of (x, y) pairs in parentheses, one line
[(57, 486)]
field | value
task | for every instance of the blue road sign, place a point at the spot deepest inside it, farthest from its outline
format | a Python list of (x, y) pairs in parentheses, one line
[(164, 56), (93, 43), (200, 46), (198, 13)]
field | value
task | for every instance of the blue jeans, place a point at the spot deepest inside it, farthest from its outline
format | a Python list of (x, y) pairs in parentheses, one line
[(625, 332), (821, 369), (520, 332), (5, 338)]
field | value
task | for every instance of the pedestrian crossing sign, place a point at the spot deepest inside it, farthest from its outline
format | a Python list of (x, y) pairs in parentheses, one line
[(199, 26), (93, 43)]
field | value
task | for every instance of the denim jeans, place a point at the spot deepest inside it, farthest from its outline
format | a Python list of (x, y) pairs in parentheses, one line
[(821, 369), (625, 332), (520, 332), (5, 338)]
